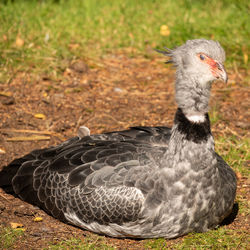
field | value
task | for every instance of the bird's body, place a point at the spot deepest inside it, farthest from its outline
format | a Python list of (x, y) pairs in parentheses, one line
[(145, 182)]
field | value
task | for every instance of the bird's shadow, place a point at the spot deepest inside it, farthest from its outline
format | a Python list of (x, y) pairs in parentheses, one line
[(231, 217)]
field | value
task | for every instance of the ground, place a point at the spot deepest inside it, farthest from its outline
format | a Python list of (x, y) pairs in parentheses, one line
[(113, 93)]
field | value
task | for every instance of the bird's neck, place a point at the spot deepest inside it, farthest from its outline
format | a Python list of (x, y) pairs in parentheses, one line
[(192, 97), (191, 143), (196, 132)]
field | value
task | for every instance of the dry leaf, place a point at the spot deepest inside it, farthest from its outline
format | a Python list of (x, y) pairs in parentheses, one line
[(19, 42), (15, 225), (37, 219), (165, 31), (40, 116), (2, 151), (74, 45), (238, 175), (7, 93), (245, 57)]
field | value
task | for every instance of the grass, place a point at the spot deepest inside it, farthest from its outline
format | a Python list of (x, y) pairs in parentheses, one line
[(235, 152), (43, 36), (9, 237), (89, 242), (214, 114), (215, 239), (160, 243)]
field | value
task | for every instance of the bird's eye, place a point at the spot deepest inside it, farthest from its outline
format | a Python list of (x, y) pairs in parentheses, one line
[(202, 57)]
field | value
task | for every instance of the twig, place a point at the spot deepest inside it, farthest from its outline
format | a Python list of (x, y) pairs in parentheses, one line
[(232, 88), (25, 138), (7, 130), (7, 94), (233, 132), (28, 131), (4, 197), (112, 118)]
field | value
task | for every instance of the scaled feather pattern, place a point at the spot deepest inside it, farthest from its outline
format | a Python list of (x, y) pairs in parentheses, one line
[(144, 182)]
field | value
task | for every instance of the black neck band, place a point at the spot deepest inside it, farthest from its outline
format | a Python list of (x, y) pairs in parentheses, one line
[(196, 132)]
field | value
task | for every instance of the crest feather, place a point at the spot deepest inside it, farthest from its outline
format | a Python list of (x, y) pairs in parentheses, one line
[(166, 52)]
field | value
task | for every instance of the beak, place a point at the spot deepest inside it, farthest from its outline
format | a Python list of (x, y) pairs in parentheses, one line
[(221, 72)]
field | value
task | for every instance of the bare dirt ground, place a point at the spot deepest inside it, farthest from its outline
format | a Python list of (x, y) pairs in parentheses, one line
[(112, 94)]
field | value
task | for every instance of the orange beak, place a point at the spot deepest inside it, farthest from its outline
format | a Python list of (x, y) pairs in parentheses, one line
[(218, 70)]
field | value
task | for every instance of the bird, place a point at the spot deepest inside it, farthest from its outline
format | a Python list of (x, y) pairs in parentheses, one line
[(142, 182)]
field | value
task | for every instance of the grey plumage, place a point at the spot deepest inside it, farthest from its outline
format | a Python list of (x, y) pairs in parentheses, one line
[(144, 182)]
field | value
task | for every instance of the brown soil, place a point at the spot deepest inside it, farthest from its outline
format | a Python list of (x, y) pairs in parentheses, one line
[(111, 94)]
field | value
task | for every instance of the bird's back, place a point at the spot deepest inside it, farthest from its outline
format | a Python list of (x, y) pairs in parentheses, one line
[(98, 178)]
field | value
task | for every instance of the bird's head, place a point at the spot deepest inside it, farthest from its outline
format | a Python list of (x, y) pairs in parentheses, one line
[(199, 59)]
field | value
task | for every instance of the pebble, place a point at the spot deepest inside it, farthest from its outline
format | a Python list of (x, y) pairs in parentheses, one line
[(243, 125), (80, 67), (23, 211), (45, 229), (118, 90), (2, 207), (8, 100)]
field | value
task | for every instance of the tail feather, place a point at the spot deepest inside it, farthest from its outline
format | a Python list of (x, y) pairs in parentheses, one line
[(8, 173)]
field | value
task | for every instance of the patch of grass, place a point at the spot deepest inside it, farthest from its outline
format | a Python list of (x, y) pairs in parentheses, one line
[(43, 36), (244, 205), (155, 244), (220, 238), (215, 239), (235, 152), (214, 114), (89, 242), (9, 236)]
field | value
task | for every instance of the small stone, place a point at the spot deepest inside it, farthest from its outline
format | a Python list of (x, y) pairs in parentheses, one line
[(80, 67), (243, 125), (23, 211), (83, 131), (45, 229), (35, 234), (8, 100), (119, 90), (2, 207)]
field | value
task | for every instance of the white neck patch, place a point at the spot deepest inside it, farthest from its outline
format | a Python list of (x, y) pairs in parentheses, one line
[(196, 118)]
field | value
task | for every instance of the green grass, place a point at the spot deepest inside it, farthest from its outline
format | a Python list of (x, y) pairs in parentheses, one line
[(160, 243), (214, 114), (9, 236), (235, 152), (55, 32), (89, 242), (215, 239)]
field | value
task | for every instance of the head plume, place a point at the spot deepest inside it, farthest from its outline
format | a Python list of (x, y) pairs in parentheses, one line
[(179, 54)]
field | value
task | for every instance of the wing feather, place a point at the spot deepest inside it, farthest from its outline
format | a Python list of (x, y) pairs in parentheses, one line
[(97, 178)]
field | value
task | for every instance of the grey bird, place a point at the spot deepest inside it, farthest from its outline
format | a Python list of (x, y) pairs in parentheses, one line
[(144, 182)]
